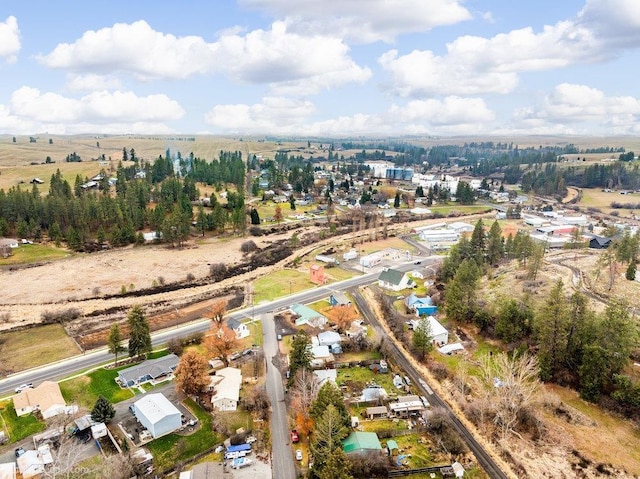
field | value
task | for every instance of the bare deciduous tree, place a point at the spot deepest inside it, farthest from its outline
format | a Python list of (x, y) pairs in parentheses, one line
[(303, 392), (510, 382)]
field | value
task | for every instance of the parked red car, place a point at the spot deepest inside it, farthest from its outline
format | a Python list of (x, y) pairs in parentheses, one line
[(294, 436)]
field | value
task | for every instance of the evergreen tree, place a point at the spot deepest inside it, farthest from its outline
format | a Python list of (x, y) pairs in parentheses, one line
[(103, 411), (478, 242), (396, 200), (422, 339), (139, 335), (495, 244), (326, 445), (300, 355), (114, 342), (460, 293), (330, 394), (514, 320), (631, 271), (552, 331)]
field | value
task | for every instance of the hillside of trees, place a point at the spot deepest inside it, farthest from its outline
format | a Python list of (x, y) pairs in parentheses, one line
[(575, 346)]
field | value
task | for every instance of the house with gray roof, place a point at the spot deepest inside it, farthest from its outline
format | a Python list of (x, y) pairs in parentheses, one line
[(149, 370)]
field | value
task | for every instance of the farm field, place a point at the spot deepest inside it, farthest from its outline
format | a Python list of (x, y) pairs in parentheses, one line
[(21, 350)]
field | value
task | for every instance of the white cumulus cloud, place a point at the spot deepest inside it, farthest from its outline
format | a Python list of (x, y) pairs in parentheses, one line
[(364, 20), (272, 115), (96, 112), (9, 39), (281, 116), (580, 107), (92, 82), (474, 64), (300, 63)]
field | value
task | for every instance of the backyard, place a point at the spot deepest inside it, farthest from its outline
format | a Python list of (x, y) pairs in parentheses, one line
[(174, 448), (18, 427)]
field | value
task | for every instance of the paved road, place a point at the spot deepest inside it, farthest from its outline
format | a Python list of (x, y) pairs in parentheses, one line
[(483, 458), (61, 369), (282, 465)]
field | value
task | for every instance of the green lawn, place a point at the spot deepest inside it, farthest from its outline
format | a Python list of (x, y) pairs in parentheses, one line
[(85, 390), (280, 283), (34, 253), (173, 448), (19, 427), (358, 377)]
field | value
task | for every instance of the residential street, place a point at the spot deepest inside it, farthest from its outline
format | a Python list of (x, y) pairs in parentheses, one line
[(282, 464)]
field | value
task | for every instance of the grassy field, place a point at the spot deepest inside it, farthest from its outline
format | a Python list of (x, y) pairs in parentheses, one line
[(462, 209), (610, 433), (16, 158), (20, 350), (173, 448), (18, 427), (596, 198), (357, 378), (85, 390), (34, 253), (280, 283)]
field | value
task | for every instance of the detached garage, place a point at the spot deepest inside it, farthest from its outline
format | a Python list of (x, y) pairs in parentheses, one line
[(157, 414)]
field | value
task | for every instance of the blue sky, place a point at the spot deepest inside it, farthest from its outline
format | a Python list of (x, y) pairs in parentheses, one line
[(320, 67)]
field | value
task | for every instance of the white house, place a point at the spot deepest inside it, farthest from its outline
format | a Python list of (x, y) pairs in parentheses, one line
[(226, 389), (8, 470), (241, 329), (321, 355), (328, 338), (45, 398), (157, 414), (439, 333), (325, 375), (394, 280), (30, 464)]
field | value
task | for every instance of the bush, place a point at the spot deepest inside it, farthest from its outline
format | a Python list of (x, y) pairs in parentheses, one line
[(174, 345), (238, 439), (248, 246), (193, 338), (5, 317), (190, 277), (439, 371), (218, 271), (370, 464), (51, 317), (256, 231)]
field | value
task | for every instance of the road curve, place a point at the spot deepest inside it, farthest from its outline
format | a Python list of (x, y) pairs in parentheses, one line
[(483, 458)]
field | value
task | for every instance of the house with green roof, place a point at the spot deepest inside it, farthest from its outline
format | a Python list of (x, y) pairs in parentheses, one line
[(360, 441), (306, 315), (395, 280)]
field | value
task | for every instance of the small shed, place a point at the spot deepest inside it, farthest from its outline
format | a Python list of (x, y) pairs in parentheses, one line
[(376, 412), (392, 447)]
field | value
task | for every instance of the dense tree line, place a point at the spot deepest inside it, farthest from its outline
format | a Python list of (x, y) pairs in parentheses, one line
[(575, 346), (145, 196)]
